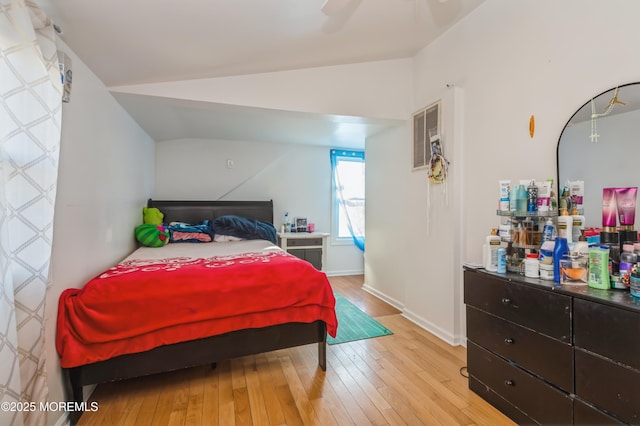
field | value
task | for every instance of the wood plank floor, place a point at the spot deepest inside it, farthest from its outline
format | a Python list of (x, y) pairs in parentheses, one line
[(408, 378)]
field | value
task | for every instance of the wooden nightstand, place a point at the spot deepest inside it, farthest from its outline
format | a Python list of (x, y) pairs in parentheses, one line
[(310, 246)]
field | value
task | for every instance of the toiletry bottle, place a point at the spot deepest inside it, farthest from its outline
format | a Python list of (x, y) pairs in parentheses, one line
[(598, 267), (577, 224), (581, 247), (521, 199), (614, 266), (565, 200), (492, 245), (560, 248), (503, 204), (531, 266), (565, 225), (547, 231), (285, 223), (502, 260), (553, 202), (627, 260), (634, 287), (532, 197)]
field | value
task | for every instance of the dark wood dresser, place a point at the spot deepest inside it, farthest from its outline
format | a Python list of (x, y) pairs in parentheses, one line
[(552, 354)]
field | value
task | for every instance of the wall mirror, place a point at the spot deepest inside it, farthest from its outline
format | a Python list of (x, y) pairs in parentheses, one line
[(600, 144)]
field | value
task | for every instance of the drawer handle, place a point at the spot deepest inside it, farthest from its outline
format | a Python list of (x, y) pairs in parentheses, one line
[(509, 382), (508, 341), (506, 300)]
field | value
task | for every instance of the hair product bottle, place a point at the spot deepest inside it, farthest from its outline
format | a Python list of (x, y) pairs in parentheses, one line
[(565, 225), (577, 225), (560, 248)]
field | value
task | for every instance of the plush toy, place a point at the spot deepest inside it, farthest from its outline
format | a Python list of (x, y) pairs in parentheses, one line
[(152, 235), (152, 215)]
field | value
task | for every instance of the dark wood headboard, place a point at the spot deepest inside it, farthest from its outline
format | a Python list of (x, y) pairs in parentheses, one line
[(197, 211)]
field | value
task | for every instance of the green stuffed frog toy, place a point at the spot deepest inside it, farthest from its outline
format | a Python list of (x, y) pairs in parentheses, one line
[(152, 215)]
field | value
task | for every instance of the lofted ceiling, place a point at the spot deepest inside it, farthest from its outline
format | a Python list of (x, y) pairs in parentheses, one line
[(149, 41)]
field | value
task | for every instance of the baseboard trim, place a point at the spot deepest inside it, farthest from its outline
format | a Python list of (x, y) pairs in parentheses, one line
[(390, 300), (432, 328), (344, 273)]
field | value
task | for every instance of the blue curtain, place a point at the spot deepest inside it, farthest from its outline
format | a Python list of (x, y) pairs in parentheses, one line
[(347, 168)]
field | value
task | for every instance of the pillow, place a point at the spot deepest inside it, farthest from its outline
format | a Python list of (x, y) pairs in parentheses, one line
[(152, 215), (181, 232), (151, 235)]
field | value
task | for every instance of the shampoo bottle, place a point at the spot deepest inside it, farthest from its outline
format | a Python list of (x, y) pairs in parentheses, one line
[(559, 249), (599, 267), (565, 225), (577, 225)]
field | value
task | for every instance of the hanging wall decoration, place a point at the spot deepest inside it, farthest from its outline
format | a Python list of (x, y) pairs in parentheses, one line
[(438, 164), (532, 126)]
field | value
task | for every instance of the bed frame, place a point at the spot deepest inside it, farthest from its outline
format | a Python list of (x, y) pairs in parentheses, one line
[(208, 350)]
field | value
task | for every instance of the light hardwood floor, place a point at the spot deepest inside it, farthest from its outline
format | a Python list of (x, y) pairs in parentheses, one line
[(410, 377)]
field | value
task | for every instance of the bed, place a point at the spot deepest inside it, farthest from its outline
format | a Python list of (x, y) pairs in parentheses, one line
[(106, 332)]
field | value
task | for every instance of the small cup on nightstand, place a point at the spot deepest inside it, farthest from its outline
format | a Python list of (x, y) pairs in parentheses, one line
[(311, 227)]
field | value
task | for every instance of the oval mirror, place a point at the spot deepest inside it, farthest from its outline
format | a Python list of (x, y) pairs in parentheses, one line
[(600, 145)]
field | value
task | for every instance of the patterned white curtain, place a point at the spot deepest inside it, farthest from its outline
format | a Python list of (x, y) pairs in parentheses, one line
[(30, 123)]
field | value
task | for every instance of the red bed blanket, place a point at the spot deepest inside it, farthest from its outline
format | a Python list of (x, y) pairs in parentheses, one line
[(141, 304)]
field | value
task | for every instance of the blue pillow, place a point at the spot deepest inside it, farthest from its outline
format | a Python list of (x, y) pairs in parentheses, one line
[(242, 227)]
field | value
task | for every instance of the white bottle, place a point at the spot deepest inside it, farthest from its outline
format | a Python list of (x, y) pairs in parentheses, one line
[(532, 266), (547, 231), (491, 252), (577, 224), (565, 226)]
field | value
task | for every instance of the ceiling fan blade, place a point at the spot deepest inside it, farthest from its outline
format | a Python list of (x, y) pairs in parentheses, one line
[(338, 12), (333, 7)]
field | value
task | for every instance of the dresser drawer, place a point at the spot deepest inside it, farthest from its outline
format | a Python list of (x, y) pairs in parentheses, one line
[(544, 311), (539, 401), (584, 414), (608, 386), (304, 242), (528, 349), (608, 331)]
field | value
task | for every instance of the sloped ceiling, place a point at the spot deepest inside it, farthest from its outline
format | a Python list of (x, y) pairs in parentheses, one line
[(148, 41)]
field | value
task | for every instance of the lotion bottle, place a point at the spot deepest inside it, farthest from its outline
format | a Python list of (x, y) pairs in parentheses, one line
[(565, 225), (491, 251), (577, 225)]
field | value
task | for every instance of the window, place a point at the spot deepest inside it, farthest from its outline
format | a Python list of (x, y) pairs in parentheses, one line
[(347, 169), (426, 122)]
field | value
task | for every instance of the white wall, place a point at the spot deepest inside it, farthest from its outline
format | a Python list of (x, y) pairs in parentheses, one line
[(511, 60), (296, 177), (105, 176)]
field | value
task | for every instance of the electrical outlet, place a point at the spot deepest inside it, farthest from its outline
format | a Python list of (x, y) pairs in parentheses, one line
[(230, 164)]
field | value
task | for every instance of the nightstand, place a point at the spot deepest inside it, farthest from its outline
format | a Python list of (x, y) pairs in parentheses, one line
[(309, 246)]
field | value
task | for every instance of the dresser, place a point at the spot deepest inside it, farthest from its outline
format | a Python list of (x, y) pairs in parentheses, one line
[(310, 246), (553, 354)]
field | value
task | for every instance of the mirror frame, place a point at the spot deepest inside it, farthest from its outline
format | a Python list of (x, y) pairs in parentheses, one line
[(562, 133)]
